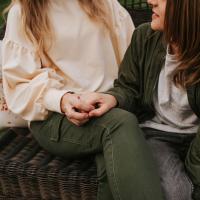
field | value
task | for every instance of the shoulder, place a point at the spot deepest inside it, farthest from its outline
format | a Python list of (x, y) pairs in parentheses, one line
[(146, 33), (146, 40), (14, 12), (14, 33), (14, 18), (145, 29), (118, 9)]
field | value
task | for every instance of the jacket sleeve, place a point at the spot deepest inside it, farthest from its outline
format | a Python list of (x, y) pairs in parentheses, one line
[(127, 86), (30, 90)]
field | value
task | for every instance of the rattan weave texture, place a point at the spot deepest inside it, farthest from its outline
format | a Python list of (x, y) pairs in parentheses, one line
[(29, 172)]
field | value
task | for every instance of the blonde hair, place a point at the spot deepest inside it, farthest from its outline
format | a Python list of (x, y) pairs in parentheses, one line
[(37, 27)]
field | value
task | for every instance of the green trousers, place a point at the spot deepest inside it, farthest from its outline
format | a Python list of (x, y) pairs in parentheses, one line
[(125, 167), (192, 163)]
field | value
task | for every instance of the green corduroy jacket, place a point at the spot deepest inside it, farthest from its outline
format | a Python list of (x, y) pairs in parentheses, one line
[(138, 79)]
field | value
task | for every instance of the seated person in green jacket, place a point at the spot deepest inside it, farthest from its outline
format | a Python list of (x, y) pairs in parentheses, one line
[(159, 82)]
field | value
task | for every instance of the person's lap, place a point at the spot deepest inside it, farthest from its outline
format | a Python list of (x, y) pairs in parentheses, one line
[(59, 136), (116, 135), (75, 141)]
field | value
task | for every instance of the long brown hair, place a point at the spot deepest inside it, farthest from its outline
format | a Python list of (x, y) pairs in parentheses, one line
[(37, 27), (182, 29)]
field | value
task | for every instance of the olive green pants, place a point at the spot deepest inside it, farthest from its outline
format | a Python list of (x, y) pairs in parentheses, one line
[(192, 163), (125, 167)]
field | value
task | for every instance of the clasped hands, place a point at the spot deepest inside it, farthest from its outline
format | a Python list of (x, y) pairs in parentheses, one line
[(80, 108)]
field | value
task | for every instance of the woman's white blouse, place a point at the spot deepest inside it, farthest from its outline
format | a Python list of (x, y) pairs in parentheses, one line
[(82, 50)]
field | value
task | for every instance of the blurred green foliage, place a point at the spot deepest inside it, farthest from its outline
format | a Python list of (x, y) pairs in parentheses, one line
[(136, 4), (3, 4)]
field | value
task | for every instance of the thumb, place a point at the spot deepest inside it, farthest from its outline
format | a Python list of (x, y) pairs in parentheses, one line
[(84, 107), (98, 111)]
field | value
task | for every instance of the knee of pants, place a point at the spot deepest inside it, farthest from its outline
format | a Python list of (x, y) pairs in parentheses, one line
[(118, 117), (120, 114), (121, 125)]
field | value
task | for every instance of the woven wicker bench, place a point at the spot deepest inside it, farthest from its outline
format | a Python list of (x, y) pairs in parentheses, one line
[(28, 172)]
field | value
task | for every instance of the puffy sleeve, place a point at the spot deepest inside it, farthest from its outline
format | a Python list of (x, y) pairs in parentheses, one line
[(30, 90), (123, 25)]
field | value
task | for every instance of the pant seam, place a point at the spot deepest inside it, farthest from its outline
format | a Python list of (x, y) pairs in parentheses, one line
[(75, 142), (192, 186), (112, 157)]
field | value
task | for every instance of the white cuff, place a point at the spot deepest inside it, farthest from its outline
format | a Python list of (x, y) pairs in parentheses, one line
[(52, 99)]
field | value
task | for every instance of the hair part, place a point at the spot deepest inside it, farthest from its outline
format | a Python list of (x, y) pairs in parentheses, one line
[(181, 29)]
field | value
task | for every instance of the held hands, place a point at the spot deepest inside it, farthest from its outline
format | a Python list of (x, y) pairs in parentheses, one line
[(80, 108), (102, 103), (75, 109)]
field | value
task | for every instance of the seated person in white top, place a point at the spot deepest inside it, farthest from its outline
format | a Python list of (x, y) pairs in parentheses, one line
[(53, 48)]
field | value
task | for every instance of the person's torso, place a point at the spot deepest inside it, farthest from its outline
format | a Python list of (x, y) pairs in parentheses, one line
[(83, 49), (172, 110), (150, 63)]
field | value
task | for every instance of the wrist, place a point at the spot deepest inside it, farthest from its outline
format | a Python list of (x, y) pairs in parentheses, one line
[(114, 101), (64, 99)]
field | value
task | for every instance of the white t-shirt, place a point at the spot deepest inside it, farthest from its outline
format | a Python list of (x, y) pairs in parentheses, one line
[(173, 112)]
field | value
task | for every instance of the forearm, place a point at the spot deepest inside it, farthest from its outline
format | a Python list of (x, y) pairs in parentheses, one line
[(124, 98)]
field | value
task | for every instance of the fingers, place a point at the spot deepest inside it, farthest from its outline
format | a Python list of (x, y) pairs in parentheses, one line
[(98, 111), (79, 104), (72, 113), (74, 101), (104, 103), (77, 118), (91, 98), (79, 108), (82, 106)]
